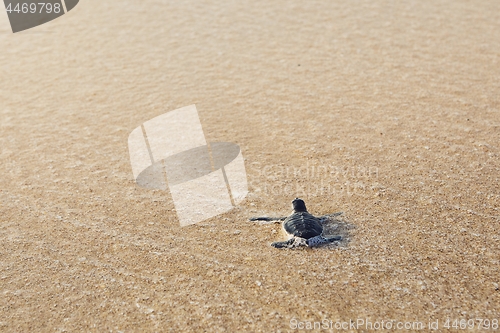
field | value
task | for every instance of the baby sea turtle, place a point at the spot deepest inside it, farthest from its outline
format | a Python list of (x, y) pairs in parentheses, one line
[(303, 228)]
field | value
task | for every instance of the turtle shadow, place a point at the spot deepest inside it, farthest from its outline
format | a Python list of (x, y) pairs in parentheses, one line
[(338, 225)]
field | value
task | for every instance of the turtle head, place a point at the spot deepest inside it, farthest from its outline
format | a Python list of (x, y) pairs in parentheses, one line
[(299, 205)]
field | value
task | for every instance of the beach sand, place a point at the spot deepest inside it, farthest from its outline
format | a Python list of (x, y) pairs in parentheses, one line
[(387, 111)]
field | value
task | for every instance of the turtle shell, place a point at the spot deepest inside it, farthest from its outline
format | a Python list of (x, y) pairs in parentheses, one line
[(303, 224)]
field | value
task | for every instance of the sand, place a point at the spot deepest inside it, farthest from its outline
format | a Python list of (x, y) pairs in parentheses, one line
[(387, 111)]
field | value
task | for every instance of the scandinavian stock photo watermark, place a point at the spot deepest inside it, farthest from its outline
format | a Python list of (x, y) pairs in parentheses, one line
[(312, 180), (170, 152)]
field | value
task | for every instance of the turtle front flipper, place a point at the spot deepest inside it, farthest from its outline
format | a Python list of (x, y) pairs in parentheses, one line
[(328, 217), (268, 219), (320, 240)]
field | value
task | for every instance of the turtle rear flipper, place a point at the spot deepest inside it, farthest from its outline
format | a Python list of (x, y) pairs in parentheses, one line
[(292, 243), (280, 245), (320, 240)]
